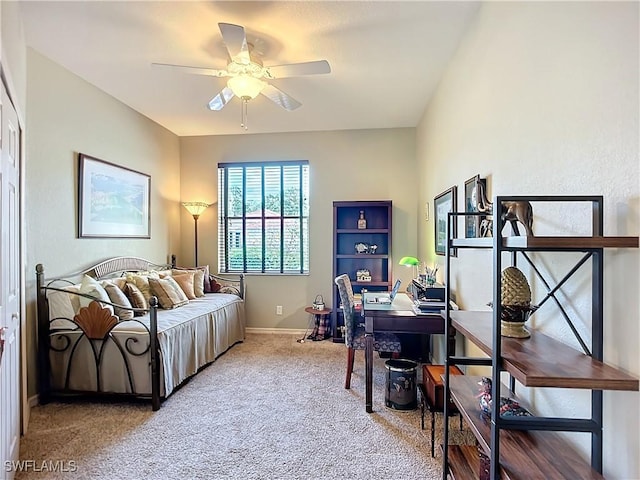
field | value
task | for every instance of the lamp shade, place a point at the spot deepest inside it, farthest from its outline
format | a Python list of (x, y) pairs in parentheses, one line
[(196, 208), (409, 261), (246, 86)]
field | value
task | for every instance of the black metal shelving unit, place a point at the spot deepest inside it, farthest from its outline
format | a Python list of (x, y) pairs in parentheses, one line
[(574, 369)]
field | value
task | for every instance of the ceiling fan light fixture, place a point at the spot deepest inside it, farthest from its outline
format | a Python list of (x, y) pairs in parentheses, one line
[(246, 86)]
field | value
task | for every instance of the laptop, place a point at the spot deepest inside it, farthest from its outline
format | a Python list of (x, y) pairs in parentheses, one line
[(386, 298)]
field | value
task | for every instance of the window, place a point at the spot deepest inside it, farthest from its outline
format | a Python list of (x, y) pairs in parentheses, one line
[(263, 217)]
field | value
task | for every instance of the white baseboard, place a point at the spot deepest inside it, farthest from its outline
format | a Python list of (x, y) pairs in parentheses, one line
[(280, 331)]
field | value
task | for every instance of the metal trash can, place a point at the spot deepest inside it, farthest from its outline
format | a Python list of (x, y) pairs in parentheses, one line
[(400, 392)]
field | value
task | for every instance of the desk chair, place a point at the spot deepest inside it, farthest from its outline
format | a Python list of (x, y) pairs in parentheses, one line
[(354, 329)]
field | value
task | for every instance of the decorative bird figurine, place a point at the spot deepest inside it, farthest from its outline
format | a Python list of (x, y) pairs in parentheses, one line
[(508, 406)]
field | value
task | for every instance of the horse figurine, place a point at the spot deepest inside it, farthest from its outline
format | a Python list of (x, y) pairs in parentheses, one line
[(512, 212), (515, 212)]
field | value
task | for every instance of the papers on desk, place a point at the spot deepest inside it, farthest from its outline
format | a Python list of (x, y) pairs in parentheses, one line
[(426, 307)]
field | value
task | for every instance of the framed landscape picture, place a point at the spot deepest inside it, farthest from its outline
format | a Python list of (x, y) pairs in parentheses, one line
[(113, 201), (442, 205)]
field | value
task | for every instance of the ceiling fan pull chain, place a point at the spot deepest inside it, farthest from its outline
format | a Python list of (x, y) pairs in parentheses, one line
[(243, 122)]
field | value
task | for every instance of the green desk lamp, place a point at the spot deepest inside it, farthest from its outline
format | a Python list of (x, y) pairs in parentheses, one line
[(411, 262)]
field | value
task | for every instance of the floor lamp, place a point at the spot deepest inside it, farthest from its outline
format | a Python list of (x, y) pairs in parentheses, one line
[(196, 209)]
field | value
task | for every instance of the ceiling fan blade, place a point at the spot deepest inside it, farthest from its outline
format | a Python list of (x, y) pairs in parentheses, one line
[(296, 69), (219, 101), (212, 72), (236, 42), (281, 98)]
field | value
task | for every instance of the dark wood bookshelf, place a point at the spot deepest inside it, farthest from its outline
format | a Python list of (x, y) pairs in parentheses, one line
[(542, 361), (523, 454), (378, 216)]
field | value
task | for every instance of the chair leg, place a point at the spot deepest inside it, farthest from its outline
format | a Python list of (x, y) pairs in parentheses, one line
[(351, 353)]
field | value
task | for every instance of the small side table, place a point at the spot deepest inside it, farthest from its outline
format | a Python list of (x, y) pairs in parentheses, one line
[(320, 318), (432, 395)]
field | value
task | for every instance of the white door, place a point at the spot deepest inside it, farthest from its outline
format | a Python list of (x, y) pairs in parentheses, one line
[(10, 285)]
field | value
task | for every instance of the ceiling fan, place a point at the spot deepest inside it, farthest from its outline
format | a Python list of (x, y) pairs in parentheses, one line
[(248, 76)]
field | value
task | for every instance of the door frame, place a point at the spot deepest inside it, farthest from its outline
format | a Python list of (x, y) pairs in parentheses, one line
[(25, 408)]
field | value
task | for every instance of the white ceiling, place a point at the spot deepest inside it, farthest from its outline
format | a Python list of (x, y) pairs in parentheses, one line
[(386, 57)]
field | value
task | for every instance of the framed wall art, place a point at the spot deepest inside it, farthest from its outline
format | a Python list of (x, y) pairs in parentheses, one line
[(442, 205), (472, 189), (113, 201)]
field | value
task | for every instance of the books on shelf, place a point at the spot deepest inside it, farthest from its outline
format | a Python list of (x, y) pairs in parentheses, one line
[(357, 301)]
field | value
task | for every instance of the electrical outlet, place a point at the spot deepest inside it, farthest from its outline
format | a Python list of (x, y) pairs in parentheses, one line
[(278, 309)]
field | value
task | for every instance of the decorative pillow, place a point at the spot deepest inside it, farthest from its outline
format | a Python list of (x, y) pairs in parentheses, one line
[(75, 299), (118, 297), (198, 280), (229, 289), (205, 280), (141, 280), (90, 286), (185, 280), (120, 282), (136, 298), (215, 286), (162, 273), (60, 305), (169, 293)]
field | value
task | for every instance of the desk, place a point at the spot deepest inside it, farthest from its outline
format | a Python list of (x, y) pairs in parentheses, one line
[(398, 317)]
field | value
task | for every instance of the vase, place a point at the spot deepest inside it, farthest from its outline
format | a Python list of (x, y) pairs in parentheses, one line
[(513, 319)]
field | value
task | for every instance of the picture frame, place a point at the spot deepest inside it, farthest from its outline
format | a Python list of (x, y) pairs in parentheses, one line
[(444, 203), (113, 201), (472, 222)]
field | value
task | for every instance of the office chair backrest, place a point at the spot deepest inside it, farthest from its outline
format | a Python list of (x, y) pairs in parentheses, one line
[(346, 297)]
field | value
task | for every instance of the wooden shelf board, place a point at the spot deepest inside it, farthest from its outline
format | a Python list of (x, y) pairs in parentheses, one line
[(362, 256), (464, 462), (371, 284), (486, 242), (541, 361), (570, 242), (362, 230), (523, 455), (551, 243)]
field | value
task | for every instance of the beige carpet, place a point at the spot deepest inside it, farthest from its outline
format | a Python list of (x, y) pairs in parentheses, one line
[(270, 408)]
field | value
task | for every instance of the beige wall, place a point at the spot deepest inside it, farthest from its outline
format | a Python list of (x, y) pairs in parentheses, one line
[(542, 98), (67, 115), (344, 165)]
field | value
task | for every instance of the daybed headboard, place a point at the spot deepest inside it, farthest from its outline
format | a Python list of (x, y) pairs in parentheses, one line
[(117, 265), (123, 264)]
